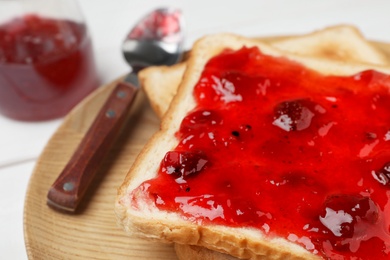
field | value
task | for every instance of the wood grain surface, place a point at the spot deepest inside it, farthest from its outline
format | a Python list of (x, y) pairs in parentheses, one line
[(92, 232)]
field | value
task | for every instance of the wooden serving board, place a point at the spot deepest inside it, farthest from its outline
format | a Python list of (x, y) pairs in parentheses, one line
[(92, 233)]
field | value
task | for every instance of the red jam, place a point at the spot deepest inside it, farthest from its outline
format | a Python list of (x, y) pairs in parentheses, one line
[(279, 147), (160, 24), (46, 67)]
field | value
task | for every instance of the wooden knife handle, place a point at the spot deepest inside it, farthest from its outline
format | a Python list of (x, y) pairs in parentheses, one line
[(71, 185)]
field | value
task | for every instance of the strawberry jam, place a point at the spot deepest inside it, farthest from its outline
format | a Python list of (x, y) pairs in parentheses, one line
[(160, 24), (279, 147), (46, 67)]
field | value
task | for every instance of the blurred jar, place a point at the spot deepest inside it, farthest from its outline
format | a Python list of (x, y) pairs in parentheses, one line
[(46, 59)]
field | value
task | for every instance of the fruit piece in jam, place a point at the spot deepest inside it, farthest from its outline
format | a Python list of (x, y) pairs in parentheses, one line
[(294, 115), (183, 165), (289, 151)]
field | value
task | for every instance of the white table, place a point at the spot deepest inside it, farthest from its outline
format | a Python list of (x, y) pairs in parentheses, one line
[(21, 143)]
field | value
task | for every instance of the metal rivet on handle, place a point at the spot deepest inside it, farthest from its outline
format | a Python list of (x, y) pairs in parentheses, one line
[(121, 94), (110, 113), (68, 186)]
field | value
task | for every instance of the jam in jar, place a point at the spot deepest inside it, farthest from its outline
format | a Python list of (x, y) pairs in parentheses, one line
[(46, 67)]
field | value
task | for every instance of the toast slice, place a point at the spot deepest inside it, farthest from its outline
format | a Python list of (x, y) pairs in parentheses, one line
[(137, 210), (342, 42)]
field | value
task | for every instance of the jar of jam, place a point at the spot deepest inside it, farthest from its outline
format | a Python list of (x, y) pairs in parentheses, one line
[(46, 59)]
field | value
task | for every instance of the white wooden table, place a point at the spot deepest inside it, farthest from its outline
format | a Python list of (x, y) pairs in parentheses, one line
[(21, 143)]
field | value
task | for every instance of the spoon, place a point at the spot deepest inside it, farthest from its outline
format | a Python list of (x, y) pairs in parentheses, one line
[(156, 40)]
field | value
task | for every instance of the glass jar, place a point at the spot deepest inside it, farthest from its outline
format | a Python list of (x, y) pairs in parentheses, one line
[(46, 58)]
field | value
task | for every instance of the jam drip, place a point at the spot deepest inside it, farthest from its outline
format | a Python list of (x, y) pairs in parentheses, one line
[(279, 147)]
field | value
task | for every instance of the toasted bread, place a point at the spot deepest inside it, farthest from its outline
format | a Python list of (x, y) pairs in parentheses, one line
[(187, 252), (343, 42), (138, 214), (160, 85)]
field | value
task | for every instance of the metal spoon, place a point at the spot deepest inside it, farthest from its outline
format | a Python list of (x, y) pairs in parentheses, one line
[(156, 40)]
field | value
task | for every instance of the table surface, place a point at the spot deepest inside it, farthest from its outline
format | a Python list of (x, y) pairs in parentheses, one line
[(21, 143)]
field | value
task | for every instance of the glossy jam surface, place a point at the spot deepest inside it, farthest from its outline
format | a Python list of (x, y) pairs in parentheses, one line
[(46, 67), (279, 147)]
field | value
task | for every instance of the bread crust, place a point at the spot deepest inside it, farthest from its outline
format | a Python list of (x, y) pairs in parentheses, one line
[(196, 252), (138, 214), (341, 42)]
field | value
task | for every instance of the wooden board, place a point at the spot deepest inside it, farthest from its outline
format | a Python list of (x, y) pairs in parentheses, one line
[(93, 232)]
